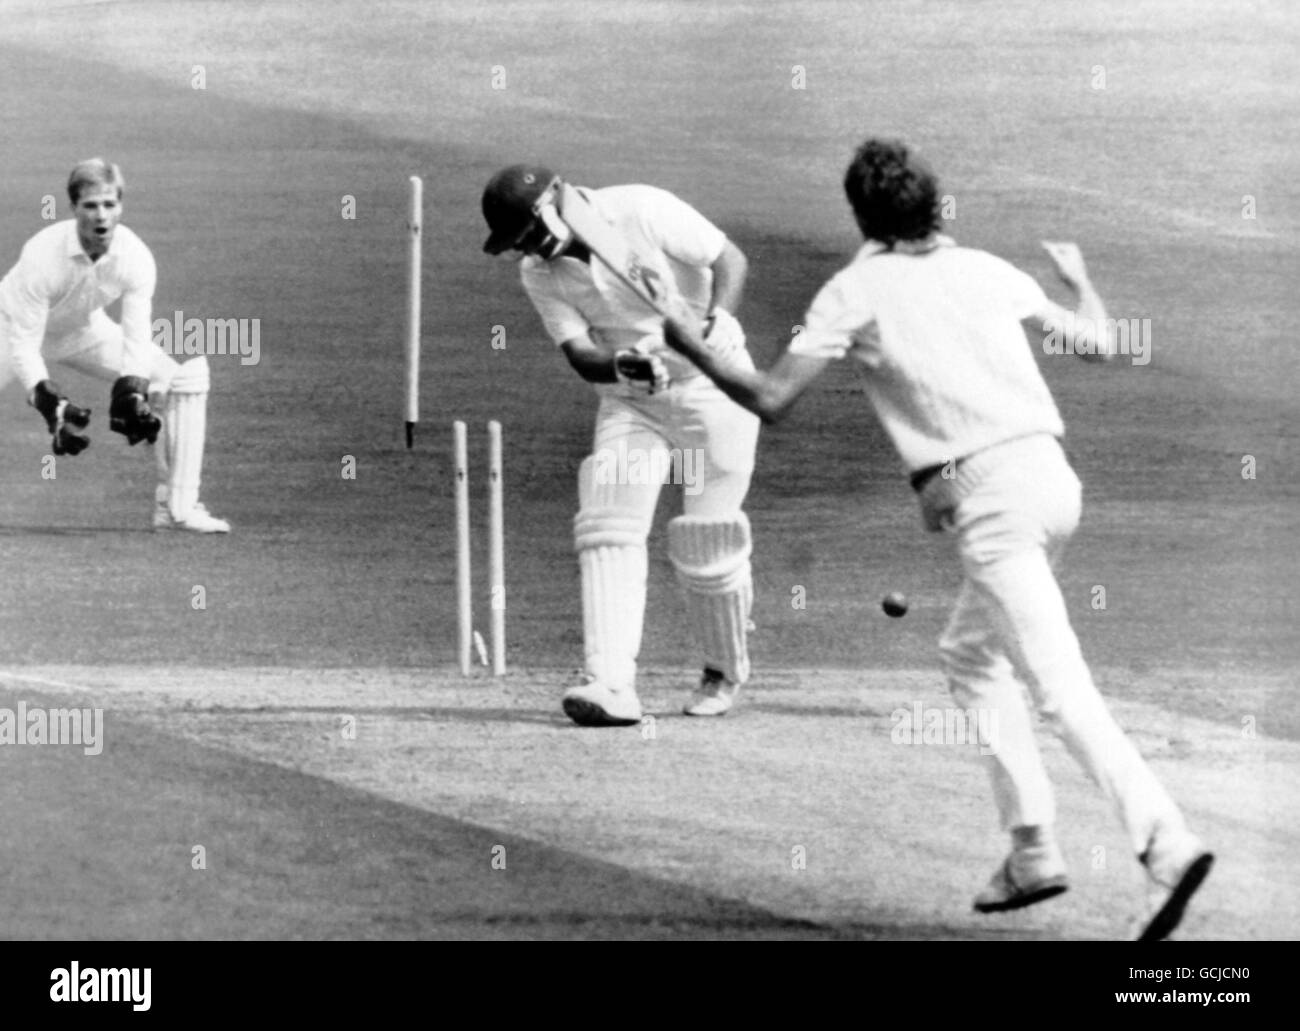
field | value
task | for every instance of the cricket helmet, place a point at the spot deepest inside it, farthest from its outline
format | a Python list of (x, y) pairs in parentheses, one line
[(510, 203)]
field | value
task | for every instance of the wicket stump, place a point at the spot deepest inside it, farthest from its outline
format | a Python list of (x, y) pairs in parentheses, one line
[(414, 228), (496, 550)]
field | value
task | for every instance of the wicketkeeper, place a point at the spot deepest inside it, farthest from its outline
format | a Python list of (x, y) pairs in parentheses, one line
[(52, 308), (658, 421)]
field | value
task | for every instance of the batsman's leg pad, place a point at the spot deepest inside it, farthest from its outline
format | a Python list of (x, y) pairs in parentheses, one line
[(185, 421), (612, 557), (611, 546), (711, 557)]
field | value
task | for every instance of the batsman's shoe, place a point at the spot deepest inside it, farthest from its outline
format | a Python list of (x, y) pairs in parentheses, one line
[(1177, 864), (595, 704), (197, 520), (714, 697), (1028, 875)]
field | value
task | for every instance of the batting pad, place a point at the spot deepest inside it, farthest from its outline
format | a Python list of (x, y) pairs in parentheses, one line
[(711, 557), (185, 422), (612, 558)]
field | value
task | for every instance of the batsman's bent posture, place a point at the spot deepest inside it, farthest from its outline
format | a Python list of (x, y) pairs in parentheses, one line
[(939, 329), (658, 418), (52, 306)]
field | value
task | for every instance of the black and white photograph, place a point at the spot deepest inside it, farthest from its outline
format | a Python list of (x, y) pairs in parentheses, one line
[(627, 470)]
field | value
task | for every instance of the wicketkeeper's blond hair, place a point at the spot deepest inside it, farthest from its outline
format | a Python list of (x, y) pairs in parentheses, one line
[(94, 172)]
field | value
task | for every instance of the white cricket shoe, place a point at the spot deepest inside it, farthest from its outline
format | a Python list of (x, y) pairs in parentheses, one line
[(714, 697), (1029, 874), (595, 704), (197, 520), (1176, 863)]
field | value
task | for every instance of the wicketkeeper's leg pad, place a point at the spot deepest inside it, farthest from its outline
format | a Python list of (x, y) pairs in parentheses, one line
[(184, 434), (711, 557)]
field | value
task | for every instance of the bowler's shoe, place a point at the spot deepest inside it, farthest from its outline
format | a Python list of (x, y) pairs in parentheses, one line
[(1030, 874), (1177, 864)]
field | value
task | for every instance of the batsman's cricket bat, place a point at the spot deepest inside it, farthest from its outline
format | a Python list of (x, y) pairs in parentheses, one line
[(613, 249)]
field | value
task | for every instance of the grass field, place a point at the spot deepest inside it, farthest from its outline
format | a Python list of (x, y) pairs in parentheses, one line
[(334, 597)]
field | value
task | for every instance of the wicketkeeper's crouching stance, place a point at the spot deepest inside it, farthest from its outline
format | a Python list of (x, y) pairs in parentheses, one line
[(52, 307)]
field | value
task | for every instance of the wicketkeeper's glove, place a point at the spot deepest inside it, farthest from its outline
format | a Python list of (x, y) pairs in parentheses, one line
[(646, 371), (129, 413), (62, 417)]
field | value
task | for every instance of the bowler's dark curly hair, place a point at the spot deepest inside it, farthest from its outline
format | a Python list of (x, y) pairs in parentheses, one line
[(893, 193)]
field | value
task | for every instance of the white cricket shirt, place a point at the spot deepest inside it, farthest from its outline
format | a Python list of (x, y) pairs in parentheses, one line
[(574, 297), (950, 371), (54, 289)]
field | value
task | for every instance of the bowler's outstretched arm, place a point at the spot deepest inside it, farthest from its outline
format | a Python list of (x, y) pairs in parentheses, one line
[(1088, 322), (768, 394)]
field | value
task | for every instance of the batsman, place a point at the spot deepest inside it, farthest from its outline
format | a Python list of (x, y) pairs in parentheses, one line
[(658, 419)]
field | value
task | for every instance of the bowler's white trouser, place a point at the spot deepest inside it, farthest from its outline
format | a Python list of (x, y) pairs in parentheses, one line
[(1016, 506)]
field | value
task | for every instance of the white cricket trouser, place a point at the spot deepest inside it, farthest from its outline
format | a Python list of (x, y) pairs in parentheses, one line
[(1016, 506), (97, 350), (690, 435), (693, 434)]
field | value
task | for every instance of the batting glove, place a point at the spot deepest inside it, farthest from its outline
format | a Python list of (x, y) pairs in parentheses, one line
[(62, 418), (722, 333), (644, 371)]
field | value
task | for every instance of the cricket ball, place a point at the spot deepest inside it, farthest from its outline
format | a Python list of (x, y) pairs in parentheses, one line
[(894, 604)]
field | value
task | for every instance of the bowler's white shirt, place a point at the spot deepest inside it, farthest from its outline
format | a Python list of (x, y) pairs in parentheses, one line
[(950, 371), (54, 289), (576, 297)]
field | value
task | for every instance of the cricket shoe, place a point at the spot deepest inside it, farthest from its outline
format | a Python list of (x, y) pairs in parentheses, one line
[(197, 520), (714, 697), (1030, 874), (1177, 864), (595, 704)]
